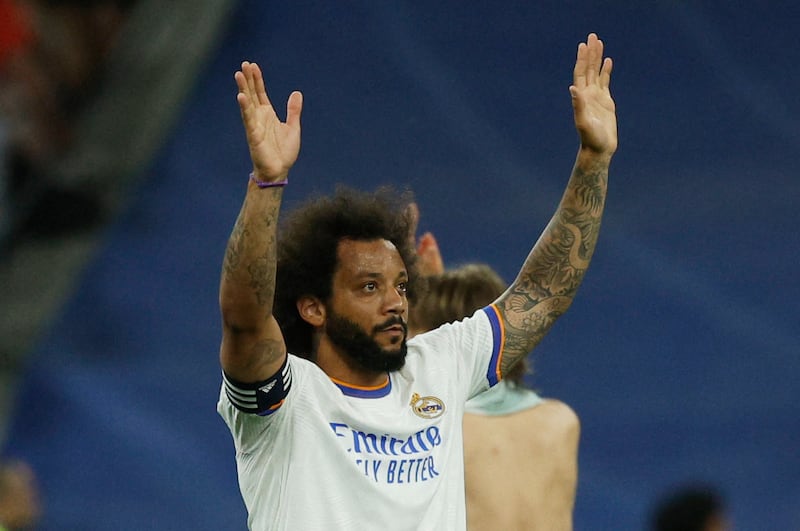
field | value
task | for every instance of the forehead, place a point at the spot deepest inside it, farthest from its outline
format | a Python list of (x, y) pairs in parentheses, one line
[(358, 257)]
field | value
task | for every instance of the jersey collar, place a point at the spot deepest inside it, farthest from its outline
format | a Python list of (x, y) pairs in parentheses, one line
[(358, 391)]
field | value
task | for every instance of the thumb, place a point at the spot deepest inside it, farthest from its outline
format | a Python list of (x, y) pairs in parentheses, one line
[(294, 107)]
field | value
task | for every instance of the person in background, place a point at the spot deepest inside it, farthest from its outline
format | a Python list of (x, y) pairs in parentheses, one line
[(53, 54), (20, 507), (520, 450), (695, 507)]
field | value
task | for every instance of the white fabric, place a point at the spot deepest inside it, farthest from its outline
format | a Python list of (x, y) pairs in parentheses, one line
[(326, 460)]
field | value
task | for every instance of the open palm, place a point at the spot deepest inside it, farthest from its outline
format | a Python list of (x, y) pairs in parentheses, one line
[(595, 112), (274, 145)]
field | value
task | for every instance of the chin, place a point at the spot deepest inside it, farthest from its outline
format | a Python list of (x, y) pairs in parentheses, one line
[(394, 358), (397, 342), (395, 362), (395, 347)]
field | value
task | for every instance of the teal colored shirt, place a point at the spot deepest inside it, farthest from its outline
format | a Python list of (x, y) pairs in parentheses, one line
[(503, 399)]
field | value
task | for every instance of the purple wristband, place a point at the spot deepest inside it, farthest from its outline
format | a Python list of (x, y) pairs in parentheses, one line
[(267, 184)]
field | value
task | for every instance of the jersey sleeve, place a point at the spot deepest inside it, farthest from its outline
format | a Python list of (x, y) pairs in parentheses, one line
[(493, 373), (260, 398), (252, 411), (470, 348)]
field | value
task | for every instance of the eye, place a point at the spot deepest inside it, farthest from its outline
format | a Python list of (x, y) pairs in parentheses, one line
[(402, 287), (370, 286)]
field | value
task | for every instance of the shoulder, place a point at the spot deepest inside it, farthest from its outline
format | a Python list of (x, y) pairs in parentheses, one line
[(302, 365), (555, 423), (467, 329), (560, 416)]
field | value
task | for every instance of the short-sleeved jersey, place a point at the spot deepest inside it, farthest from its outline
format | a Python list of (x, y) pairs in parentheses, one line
[(338, 457)]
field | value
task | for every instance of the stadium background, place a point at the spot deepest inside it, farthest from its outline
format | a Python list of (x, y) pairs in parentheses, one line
[(680, 354)]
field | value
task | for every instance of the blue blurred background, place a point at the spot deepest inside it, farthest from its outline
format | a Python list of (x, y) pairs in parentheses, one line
[(680, 354)]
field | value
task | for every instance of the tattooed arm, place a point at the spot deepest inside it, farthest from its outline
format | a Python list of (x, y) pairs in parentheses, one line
[(252, 344), (555, 267)]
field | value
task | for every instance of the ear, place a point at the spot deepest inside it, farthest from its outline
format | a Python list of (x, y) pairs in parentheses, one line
[(311, 310)]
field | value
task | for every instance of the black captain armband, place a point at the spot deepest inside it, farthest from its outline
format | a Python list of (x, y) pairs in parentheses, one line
[(260, 398)]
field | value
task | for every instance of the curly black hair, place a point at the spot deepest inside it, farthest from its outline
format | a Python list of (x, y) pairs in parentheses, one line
[(307, 250)]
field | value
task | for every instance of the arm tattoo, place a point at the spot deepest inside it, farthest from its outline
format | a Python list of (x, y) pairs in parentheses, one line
[(262, 272), (267, 351), (550, 276), (233, 253), (250, 254)]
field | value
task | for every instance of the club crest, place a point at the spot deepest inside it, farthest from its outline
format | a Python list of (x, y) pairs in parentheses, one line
[(427, 407)]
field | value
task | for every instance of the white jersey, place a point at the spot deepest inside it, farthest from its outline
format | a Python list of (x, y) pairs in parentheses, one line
[(330, 456)]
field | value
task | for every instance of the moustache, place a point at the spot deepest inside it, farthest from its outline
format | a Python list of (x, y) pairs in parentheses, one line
[(393, 321)]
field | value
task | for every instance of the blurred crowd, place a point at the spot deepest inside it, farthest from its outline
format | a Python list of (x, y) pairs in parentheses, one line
[(52, 56), (19, 496)]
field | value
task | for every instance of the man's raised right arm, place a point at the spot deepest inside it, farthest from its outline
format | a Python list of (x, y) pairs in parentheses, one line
[(252, 347)]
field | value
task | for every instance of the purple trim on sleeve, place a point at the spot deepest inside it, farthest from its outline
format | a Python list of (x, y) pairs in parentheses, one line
[(498, 336)]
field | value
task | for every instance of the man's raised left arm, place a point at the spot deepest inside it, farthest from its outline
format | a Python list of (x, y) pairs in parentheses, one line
[(555, 267)]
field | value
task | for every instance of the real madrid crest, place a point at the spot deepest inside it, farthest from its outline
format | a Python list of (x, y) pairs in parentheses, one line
[(427, 407)]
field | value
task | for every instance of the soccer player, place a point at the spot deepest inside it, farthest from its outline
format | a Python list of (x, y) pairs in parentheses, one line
[(366, 433)]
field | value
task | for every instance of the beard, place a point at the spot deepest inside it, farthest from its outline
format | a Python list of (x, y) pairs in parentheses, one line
[(361, 349)]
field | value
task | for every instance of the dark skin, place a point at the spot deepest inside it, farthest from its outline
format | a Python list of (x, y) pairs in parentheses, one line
[(369, 288), (253, 348)]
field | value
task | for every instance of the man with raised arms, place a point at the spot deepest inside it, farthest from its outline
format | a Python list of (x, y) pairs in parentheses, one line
[(338, 423)]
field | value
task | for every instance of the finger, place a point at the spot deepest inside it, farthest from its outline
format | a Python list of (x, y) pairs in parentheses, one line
[(251, 82), (294, 107), (242, 97), (243, 82), (579, 73), (424, 243), (248, 111), (258, 85), (577, 101), (595, 47), (245, 70), (605, 72), (412, 215), (430, 255)]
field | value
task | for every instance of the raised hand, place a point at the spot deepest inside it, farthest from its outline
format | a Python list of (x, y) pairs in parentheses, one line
[(274, 145), (429, 257), (595, 112)]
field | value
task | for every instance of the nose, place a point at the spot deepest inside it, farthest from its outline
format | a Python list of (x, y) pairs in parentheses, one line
[(395, 301)]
